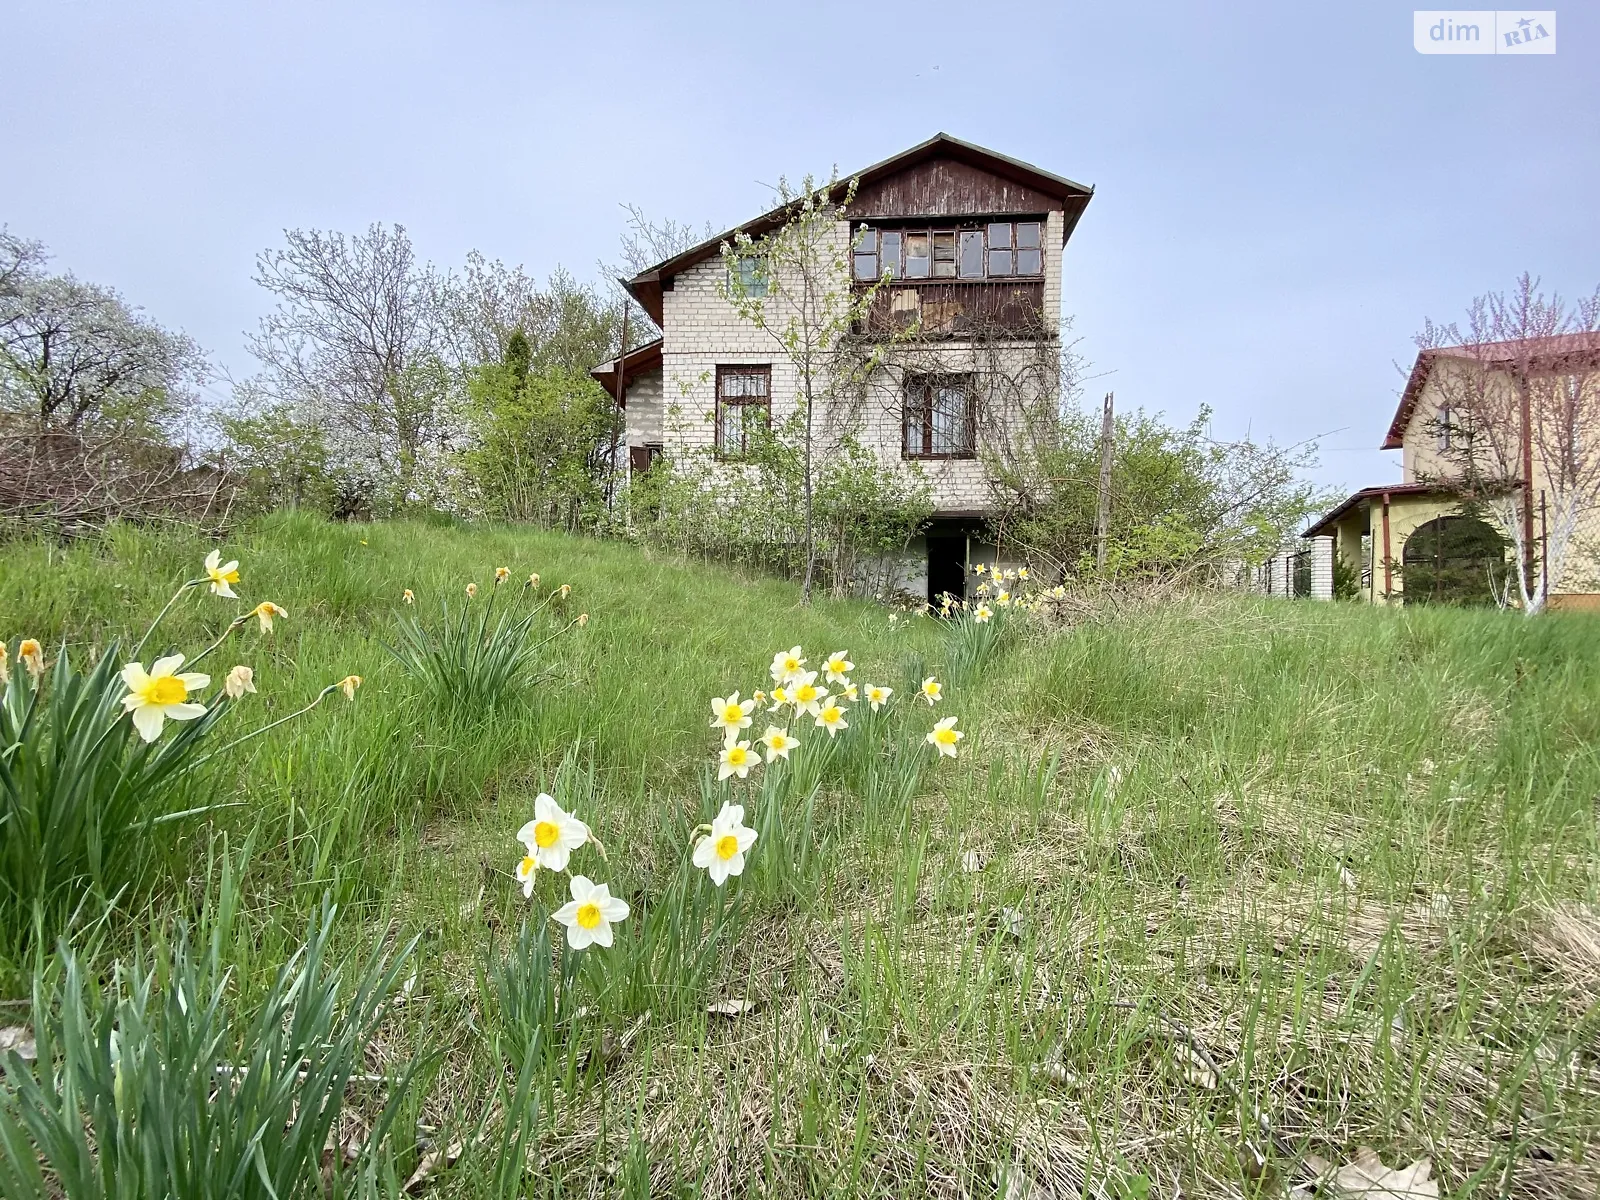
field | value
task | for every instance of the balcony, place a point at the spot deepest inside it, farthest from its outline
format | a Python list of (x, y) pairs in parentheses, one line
[(958, 310)]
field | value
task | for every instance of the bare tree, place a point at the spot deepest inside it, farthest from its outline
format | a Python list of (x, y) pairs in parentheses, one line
[(76, 356), (357, 337), (794, 283), (1516, 418)]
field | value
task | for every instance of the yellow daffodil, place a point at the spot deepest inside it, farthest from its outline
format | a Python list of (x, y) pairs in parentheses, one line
[(721, 852), (5, 666), (838, 667), (787, 665), (982, 589), (239, 681), (348, 686), (878, 696), (736, 759), (553, 834), (31, 655), (944, 606), (1059, 591), (978, 568), (831, 718), (778, 743), (944, 737), (780, 697), (731, 715), (501, 574), (161, 694), (265, 612), (806, 696), (472, 590), (982, 614), (589, 915), (759, 697), (408, 597), (527, 868), (222, 574), (850, 692), (1002, 599), (1022, 574), (931, 690)]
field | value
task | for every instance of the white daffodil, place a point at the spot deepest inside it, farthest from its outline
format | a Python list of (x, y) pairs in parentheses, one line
[(806, 696), (736, 759), (553, 834), (721, 852), (978, 568), (983, 588), (408, 597), (1022, 574), (160, 694), (931, 690), (731, 715), (831, 718), (1002, 599), (878, 696), (527, 868), (265, 612), (944, 737), (780, 697), (239, 681), (778, 743), (786, 665), (590, 913), (983, 614), (851, 693), (222, 574), (838, 667)]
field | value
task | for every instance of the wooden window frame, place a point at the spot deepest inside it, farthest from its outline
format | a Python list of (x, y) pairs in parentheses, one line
[(728, 371), (869, 235), (922, 387)]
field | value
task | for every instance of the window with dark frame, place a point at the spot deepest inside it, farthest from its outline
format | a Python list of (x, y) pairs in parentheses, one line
[(744, 405), (998, 250), (940, 417)]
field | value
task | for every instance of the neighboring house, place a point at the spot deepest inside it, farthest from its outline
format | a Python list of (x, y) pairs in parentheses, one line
[(1513, 417), (973, 243)]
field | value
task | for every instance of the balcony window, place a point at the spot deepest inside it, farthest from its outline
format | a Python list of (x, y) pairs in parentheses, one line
[(971, 254), (940, 418), (866, 256), (744, 408), (997, 250), (917, 260)]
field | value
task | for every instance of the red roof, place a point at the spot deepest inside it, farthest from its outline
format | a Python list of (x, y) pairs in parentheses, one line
[(1544, 353), (647, 286)]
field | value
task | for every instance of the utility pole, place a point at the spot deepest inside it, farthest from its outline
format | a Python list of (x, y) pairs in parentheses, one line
[(1102, 522)]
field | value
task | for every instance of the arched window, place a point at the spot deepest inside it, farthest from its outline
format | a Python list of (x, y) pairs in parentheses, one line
[(1459, 559)]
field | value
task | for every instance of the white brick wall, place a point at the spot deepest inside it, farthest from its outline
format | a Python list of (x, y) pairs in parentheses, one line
[(701, 331)]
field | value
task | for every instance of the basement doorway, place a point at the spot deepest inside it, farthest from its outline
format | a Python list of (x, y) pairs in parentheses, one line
[(947, 567)]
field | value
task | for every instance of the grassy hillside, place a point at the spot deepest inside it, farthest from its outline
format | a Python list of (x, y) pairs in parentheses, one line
[(1211, 886)]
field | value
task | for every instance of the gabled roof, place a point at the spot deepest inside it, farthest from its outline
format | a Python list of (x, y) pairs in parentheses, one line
[(1540, 353), (647, 286)]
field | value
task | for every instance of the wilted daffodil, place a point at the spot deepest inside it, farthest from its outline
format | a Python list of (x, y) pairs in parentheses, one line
[(778, 743), (553, 834), (589, 915), (408, 597), (31, 655), (736, 759), (721, 852), (780, 697), (239, 681), (944, 737), (731, 715), (265, 612), (787, 665), (348, 686), (501, 574), (222, 574), (838, 667), (472, 590), (160, 694), (850, 692), (831, 718), (878, 696), (931, 690), (805, 695)]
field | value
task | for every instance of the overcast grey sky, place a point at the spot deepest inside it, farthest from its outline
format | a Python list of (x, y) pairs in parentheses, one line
[(1283, 190)]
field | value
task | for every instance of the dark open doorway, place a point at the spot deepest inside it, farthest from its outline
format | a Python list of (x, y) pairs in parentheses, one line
[(947, 567)]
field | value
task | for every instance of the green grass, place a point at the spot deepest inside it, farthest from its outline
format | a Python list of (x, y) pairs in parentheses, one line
[(1347, 855)]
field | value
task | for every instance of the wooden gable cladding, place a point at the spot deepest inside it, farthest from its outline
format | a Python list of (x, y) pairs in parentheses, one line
[(943, 187)]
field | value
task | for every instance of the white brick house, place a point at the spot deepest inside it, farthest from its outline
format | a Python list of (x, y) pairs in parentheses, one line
[(972, 242)]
